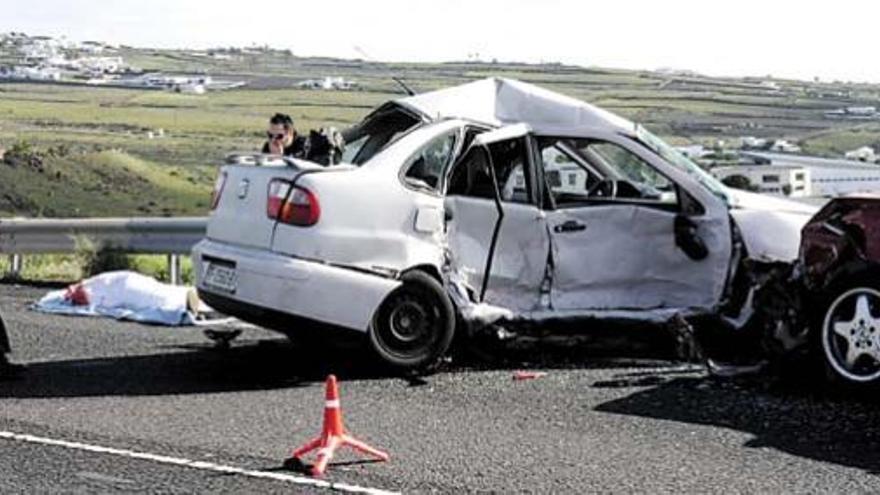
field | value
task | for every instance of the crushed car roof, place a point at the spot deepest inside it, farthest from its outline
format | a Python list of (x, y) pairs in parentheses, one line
[(499, 101)]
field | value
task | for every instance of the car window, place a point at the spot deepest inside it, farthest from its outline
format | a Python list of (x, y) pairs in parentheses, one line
[(472, 177), (427, 168), (383, 126), (353, 148), (631, 170), (562, 172), (582, 170)]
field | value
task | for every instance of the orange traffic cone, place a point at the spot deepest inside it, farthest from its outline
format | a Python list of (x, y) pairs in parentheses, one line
[(333, 435)]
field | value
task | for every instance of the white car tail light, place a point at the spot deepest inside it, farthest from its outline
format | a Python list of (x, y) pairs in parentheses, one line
[(298, 206)]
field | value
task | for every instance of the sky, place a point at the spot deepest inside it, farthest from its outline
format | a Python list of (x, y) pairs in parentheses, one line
[(830, 40)]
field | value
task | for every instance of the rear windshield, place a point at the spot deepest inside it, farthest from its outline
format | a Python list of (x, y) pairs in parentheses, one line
[(376, 131)]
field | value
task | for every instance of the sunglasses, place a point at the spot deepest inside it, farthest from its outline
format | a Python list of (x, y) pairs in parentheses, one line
[(275, 137)]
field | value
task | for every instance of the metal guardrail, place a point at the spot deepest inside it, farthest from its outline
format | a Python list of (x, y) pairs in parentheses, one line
[(171, 236)]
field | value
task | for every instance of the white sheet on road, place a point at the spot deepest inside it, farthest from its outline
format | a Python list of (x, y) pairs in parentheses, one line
[(123, 295)]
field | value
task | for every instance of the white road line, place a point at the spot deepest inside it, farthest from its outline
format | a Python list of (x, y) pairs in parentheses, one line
[(205, 466)]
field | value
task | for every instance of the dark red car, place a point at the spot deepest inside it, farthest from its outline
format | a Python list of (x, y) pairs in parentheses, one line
[(840, 268)]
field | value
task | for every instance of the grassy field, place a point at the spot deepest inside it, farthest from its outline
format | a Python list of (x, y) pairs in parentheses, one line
[(140, 152), (72, 267), (107, 152)]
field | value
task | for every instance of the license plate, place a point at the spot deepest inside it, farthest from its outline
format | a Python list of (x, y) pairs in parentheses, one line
[(220, 277)]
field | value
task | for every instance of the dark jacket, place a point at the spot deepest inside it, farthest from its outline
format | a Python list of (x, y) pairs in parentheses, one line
[(297, 148)]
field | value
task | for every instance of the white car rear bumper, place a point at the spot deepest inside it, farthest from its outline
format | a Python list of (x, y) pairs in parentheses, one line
[(330, 294)]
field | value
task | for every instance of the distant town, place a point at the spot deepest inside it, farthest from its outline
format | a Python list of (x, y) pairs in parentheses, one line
[(49, 59), (777, 167)]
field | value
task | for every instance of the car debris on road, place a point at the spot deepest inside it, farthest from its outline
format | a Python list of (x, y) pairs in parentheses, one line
[(528, 375)]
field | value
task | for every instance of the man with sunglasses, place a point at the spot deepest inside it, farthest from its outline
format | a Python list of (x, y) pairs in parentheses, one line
[(282, 138)]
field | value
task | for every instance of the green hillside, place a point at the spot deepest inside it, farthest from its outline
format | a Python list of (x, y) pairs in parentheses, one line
[(54, 183), (102, 151)]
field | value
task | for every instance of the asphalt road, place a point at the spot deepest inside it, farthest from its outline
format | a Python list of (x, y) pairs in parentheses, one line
[(619, 420)]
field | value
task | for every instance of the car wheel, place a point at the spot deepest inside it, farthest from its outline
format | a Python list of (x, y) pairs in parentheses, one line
[(415, 324), (850, 334)]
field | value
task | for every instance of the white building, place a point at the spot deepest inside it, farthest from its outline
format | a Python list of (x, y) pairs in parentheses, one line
[(830, 177), (694, 151), (835, 181), (328, 83), (561, 177), (863, 154), (753, 142), (862, 111), (779, 180), (31, 74), (92, 47), (783, 146), (191, 88), (39, 49), (90, 65)]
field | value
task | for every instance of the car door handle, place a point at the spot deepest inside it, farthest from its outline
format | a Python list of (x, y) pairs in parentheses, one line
[(569, 226)]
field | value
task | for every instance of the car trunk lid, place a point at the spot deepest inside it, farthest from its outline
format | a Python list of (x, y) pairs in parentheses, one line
[(241, 216)]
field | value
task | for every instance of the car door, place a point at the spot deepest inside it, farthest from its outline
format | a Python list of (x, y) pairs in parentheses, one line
[(629, 231), (496, 233)]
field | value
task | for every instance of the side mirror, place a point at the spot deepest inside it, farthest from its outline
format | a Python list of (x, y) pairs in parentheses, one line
[(687, 238)]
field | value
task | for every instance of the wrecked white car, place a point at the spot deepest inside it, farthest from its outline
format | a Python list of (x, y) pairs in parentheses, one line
[(493, 202)]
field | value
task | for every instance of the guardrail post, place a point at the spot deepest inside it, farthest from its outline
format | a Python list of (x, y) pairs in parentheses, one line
[(15, 265), (148, 235), (174, 268)]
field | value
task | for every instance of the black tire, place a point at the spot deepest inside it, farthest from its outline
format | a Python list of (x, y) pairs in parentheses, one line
[(414, 326), (839, 305)]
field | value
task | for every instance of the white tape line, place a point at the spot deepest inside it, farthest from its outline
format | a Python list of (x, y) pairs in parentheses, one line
[(205, 466)]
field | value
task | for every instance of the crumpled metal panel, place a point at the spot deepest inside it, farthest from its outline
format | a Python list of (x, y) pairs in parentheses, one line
[(770, 235), (499, 101), (626, 258), (520, 259)]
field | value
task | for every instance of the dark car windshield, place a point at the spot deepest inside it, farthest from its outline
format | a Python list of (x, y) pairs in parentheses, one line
[(376, 131)]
